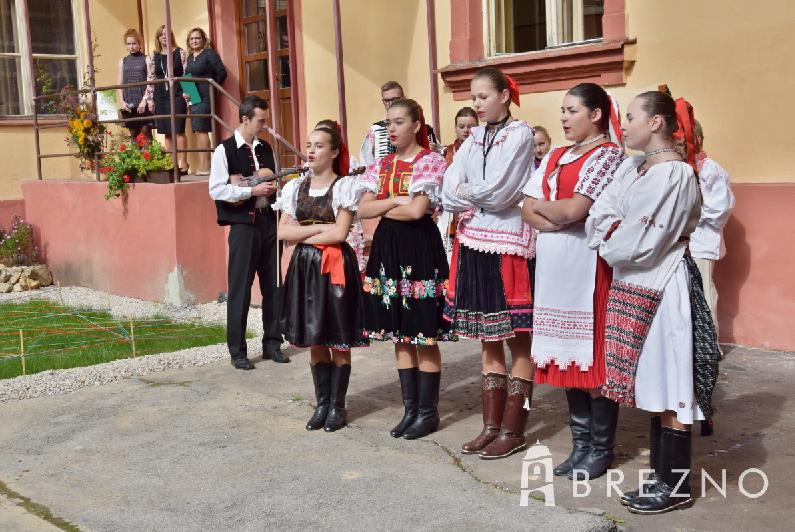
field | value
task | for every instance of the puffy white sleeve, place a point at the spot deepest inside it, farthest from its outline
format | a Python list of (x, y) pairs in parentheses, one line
[(716, 194), (604, 211), (427, 177), (507, 173), (454, 177), (289, 198), (533, 188), (346, 195), (661, 203), (368, 181), (367, 151), (598, 171)]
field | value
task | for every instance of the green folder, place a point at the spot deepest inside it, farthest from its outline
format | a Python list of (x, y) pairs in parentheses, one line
[(190, 88)]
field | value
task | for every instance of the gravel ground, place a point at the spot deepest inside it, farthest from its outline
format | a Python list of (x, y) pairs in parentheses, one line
[(56, 382)]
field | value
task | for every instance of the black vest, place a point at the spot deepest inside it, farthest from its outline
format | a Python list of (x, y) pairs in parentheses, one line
[(238, 162)]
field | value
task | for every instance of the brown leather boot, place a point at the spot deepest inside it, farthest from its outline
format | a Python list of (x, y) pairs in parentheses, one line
[(495, 392), (511, 438)]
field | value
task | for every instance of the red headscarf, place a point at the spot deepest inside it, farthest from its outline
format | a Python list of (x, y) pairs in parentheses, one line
[(686, 132), (342, 162), (422, 133), (513, 89)]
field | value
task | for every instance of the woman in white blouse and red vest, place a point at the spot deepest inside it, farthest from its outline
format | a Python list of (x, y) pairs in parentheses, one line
[(489, 296), (571, 284)]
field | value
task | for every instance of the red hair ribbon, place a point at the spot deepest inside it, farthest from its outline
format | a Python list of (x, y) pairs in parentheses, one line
[(342, 161), (686, 132), (422, 134), (616, 136), (513, 90)]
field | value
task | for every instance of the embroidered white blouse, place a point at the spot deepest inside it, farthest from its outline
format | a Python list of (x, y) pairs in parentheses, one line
[(426, 177), (344, 195), (491, 219), (656, 209), (596, 173), (706, 242)]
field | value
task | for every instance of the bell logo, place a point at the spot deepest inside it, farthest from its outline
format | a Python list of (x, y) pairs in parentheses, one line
[(537, 466)]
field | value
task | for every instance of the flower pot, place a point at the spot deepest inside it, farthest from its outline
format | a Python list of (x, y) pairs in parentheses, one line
[(160, 176)]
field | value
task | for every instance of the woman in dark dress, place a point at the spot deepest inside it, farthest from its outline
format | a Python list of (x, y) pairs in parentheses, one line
[(158, 69), (322, 296), (203, 62), (135, 102)]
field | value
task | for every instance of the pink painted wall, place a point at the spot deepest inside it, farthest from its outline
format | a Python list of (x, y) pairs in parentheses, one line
[(9, 209), (129, 247), (756, 289)]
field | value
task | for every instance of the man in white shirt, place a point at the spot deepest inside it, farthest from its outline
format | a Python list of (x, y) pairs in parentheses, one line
[(376, 143), (252, 234)]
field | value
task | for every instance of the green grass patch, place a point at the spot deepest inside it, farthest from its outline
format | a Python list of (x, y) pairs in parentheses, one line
[(59, 337)]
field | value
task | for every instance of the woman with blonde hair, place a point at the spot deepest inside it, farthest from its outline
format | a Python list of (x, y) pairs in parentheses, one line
[(203, 62), (136, 101), (157, 64)]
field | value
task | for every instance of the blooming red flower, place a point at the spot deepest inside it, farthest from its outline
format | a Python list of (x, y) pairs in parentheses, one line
[(109, 133), (122, 147), (146, 155), (126, 179), (105, 169), (141, 139)]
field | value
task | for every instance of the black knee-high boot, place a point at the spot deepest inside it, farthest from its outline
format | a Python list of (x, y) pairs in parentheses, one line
[(427, 419), (337, 415), (409, 388), (321, 377), (580, 424), (655, 434), (604, 420), (672, 488)]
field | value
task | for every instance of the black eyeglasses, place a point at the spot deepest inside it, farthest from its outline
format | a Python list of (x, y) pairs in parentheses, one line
[(389, 100)]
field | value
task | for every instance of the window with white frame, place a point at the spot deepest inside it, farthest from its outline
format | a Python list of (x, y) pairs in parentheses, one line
[(514, 26), (54, 48)]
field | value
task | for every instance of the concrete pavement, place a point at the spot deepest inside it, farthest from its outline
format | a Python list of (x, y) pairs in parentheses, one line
[(214, 448)]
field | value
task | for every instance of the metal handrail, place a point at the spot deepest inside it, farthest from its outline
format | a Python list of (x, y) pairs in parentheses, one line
[(213, 115)]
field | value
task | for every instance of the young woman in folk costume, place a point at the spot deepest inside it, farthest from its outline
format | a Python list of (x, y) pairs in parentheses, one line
[(404, 282), (321, 300), (356, 235), (465, 119), (571, 281), (640, 226), (489, 289)]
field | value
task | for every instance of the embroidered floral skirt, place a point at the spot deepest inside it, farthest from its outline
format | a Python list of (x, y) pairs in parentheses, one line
[(405, 283), (316, 312), (492, 299)]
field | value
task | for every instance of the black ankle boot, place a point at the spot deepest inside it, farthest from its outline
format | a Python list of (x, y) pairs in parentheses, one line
[(321, 377), (409, 390), (337, 415), (671, 491), (580, 424), (604, 419), (427, 419), (655, 433)]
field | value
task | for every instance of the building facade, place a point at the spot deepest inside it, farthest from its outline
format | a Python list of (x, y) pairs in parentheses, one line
[(732, 63)]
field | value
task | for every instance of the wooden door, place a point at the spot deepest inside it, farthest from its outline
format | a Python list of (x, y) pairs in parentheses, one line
[(265, 32)]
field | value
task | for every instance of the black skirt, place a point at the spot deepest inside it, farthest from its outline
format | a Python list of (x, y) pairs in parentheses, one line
[(405, 283), (316, 312), (481, 309), (163, 107), (200, 124)]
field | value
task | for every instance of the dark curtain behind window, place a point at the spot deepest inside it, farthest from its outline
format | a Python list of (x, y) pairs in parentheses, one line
[(529, 26)]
